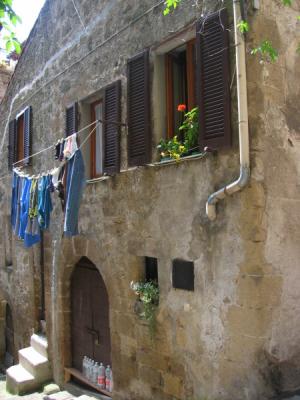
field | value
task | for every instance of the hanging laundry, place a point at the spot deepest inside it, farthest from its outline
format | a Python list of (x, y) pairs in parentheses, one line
[(18, 205), (61, 154), (24, 207), (32, 232), (70, 146), (44, 202), (33, 201), (74, 189), (57, 149)]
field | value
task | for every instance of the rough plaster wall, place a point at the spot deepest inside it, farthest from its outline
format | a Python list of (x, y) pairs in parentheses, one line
[(235, 337), (5, 74)]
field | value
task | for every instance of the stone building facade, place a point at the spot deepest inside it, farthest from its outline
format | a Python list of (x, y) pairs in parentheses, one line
[(6, 71), (236, 335)]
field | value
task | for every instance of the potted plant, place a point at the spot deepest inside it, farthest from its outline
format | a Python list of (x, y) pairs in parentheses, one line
[(175, 148), (148, 297)]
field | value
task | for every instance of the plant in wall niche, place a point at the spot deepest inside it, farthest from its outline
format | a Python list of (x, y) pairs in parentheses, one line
[(188, 131), (148, 295)]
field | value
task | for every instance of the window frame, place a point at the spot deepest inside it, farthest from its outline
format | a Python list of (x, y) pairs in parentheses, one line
[(20, 153), (191, 84), (93, 153)]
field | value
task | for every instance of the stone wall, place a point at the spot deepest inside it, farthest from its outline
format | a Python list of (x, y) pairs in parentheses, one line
[(5, 75), (237, 335)]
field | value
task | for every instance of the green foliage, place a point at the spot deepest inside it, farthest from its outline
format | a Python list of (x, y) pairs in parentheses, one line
[(8, 20), (243, 26), (190, 128), (148, 293), (169, 5), (287, 2), (175, 148), (266, 50)]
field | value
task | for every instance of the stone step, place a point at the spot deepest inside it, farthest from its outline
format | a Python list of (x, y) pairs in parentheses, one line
[(18, 380), (35, 363), (40, 344)]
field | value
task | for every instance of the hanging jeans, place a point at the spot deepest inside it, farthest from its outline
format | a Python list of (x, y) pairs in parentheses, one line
[(24, 207), (44, 202), (74, 189), (32, 232)]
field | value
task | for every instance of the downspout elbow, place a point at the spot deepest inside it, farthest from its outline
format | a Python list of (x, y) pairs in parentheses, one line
[(228, 190)]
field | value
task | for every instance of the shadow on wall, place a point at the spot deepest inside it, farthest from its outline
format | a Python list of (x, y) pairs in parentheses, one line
[(282, 376)]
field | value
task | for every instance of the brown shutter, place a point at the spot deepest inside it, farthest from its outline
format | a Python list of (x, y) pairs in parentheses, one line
[(71, 119), (213, 80), (111, 128), (138, 108), (12, 143), (27, 134)]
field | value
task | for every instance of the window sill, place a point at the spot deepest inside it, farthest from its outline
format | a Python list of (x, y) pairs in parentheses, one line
[(162, 163), (192, 157), (95, 180)]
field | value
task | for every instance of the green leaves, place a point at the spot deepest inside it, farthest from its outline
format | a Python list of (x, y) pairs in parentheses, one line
[(266, 51), (169, 5), (243, 26), (9, 19), (287, 2)]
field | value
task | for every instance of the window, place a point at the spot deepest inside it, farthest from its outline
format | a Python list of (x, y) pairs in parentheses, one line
[(183, 274), (102, 151), (97, 140), (151, 272), (19, 140), (180, 84)]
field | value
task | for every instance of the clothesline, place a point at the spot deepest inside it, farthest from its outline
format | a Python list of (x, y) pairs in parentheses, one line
[(98, 121)]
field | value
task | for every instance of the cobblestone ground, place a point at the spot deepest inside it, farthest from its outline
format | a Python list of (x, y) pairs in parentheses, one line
[(63, 395)]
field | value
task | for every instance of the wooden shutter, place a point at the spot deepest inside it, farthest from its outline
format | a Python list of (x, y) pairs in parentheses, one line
[(138, 108), (72, 119), (111, 128), (213, 80), (27, 135), (12, 143)]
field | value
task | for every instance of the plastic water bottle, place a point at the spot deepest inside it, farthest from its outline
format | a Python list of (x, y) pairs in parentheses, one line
[(84, 364), (108, 379), (90, 370), (111, 381), (95, 373), (101, 376)]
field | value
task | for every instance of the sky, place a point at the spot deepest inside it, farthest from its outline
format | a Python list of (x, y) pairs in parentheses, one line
[(28, 11)]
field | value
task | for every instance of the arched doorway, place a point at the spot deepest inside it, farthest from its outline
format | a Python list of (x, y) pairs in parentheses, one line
[(90, 332), (9, 338)]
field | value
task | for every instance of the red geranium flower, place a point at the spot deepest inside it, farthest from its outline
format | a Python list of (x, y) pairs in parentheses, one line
[(181, 107)]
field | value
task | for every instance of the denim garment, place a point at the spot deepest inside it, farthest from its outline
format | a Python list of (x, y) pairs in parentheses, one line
[(75, 186), (33, 200), (24, 207), (44, 202), (14, 194), (18, 205), (32, 231)]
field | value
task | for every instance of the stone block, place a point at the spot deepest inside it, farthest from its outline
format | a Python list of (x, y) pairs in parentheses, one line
[(173, 385), (151, 376)]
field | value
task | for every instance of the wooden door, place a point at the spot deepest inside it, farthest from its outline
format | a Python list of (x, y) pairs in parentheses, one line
[(90, 331)]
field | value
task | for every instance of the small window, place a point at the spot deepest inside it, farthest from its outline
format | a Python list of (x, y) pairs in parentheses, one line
[(97, 140), (180, 84), (183, 274), (20, 138), (151, 272)]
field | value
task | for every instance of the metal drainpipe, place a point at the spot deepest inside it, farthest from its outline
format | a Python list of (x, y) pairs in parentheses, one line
[(244, 177)]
